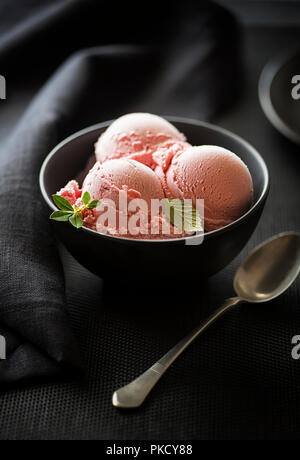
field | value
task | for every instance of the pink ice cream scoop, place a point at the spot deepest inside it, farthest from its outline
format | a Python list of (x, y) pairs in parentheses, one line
[(116, 180), (108, 179), (217, 176), (139, 136), (71, 192)]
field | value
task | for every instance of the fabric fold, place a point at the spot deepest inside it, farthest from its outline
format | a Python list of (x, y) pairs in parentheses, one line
[(188, 72)]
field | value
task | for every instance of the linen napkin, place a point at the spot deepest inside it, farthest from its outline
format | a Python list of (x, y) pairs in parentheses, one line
[(189, 67)]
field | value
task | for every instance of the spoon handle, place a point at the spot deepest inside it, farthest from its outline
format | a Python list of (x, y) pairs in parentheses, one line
[(135, 393)]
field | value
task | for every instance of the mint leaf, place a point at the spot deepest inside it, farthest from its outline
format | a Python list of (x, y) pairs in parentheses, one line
[(62, 203), (70, 213), (76, 221), (86, 198), (61, 216), (93, 204), (183, 216)]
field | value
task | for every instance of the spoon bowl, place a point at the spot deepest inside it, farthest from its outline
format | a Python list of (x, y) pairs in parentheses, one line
[(270, 269)]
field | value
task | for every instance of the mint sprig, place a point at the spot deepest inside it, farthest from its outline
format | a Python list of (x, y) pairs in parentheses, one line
[(183, 216), (72, 214)]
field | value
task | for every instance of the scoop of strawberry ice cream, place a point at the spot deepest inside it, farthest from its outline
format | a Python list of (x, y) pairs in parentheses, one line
[(213, 174), (108, 179), (138, 136), (71, 192), (116, 183)]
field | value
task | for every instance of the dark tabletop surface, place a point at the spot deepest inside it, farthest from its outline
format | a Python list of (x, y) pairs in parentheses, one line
[(251, 409)]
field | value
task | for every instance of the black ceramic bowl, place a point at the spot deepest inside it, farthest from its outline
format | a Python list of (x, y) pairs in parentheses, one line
[(128, 259)]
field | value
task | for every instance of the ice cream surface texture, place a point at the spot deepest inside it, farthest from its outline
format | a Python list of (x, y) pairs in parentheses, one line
[(139, 136), (108, 179), (71, 192), (217, 176)]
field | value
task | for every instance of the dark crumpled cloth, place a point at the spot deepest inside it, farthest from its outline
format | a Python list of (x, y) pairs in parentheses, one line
[(179, 63)]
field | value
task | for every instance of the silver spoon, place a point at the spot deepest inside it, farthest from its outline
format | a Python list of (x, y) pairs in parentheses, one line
[(264, 275)]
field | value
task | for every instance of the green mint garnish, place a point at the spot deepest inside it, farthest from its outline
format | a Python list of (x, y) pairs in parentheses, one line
[(93, 204), (72, 214), (62, 203), (76, 221), (86, 198), (183, 216), (61, 216)]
